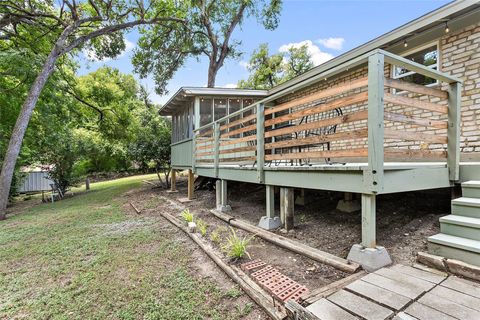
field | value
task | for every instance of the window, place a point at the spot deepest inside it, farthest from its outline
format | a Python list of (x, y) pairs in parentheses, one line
[(428, 57), (220, 108), (206, 114)]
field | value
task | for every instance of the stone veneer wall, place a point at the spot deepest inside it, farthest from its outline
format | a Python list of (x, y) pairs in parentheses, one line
[(459, 56)]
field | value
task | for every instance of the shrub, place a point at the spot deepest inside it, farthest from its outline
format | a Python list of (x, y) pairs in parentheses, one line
[(187, 216), (202, 227), (215, 236), (236, 247)]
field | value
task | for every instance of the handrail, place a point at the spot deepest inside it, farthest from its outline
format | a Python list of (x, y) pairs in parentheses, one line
[(376, 117)]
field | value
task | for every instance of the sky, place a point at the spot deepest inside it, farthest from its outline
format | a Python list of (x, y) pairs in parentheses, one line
[(329, 28)]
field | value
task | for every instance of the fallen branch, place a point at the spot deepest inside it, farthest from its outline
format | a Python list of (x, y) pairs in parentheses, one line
[(150, 183), (247, 285), (135, 208), (295, 246)]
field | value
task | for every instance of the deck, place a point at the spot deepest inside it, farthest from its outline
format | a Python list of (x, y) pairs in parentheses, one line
[(402, 292), (369, 135)]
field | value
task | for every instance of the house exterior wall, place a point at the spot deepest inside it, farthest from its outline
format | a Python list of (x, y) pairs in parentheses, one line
[(461, 58), (459, 55)]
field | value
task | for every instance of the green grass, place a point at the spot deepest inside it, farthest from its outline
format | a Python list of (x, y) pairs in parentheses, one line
[(85, 258)]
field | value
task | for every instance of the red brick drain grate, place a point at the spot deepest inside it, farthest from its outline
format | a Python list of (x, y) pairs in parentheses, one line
[(279, 285), (254, 264)]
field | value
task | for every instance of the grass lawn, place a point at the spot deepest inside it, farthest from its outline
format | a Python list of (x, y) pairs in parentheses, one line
[(85, 258)]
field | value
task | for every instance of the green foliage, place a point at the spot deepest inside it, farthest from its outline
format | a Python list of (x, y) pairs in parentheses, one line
[(162, 50), (150, 145), (202, 226), (236, 247), (61, 153), (267, 71), (245, 309), (215, 236), (187, 216), (233, 293)]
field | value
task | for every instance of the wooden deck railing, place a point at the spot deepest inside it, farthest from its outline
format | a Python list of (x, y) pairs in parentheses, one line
[(371, 119)]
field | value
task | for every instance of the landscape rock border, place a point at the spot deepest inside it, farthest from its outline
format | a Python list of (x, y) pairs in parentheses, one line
[(453, 266)]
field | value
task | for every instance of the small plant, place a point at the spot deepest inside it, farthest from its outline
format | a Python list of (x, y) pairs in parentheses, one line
[(236, 247), (233, 293), (215, 236), (187, 216), (245, 310), (202, 227)]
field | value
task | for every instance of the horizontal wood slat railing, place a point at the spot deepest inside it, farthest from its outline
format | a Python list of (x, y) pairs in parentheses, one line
[(374, 118)]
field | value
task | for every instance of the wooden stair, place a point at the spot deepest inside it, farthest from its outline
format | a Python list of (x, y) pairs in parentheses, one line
[(460, 231)]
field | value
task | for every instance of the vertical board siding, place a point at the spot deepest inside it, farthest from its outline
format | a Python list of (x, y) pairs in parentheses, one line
[(182, 154), (36, 181)]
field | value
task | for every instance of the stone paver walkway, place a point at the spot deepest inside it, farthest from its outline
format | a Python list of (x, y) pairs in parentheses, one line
[(402, 293)]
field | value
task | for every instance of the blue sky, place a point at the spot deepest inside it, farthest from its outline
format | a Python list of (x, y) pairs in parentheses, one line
[(328, 27)]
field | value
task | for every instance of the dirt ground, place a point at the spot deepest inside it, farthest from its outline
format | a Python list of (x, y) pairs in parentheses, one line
[(404, 221)]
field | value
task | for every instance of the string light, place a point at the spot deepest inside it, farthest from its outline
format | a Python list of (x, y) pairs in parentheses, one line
[(405, 43), (447, 29)]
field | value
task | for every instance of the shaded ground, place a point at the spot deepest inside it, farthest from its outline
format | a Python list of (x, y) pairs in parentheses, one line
[(92, 257), (404, 220)]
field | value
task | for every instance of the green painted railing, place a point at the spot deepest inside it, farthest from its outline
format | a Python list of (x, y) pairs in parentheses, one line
[(239, 138)]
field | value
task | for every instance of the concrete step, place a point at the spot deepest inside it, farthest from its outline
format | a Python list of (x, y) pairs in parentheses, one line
[(468, 207), (471, 189), (454, 247), (460, 226)]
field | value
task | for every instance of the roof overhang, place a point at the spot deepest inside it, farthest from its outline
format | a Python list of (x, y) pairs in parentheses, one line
[(185, 94)]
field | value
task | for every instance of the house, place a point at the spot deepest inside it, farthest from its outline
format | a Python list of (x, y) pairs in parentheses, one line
[(398, 113)]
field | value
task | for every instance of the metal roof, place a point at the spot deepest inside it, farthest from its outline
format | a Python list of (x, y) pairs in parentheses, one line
[(185, 94), (426, 28)]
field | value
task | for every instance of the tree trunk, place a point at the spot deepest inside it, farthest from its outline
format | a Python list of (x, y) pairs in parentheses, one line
[(212, 74), (21, 125)]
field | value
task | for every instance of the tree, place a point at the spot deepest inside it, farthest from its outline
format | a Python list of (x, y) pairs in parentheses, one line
[(73, 25), (267, 71), (152, 142), (208, 32)]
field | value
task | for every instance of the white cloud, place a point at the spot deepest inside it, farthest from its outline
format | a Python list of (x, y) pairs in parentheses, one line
[(90, 54), (244, 64), (318, 56), (230, 85), (332, 43)]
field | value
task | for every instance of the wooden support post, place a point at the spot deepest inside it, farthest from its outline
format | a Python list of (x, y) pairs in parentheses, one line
[(191, 182), (173, 185), (373, 175), (87, 183), (282, 205), (224, 198), (218, 194), (270, 195), (289, 201), (368, 221), (453, 131), (260, 142)]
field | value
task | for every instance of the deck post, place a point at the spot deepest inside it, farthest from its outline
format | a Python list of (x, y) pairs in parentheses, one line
[(368, 254), (348, 204), (191, 182), (373, 175), (289, 202), (216, 160), (222, 199), (282, 205), (269, 221), (173, 183), (260, 142), (218, 194), (196, 125), (453, 131)]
